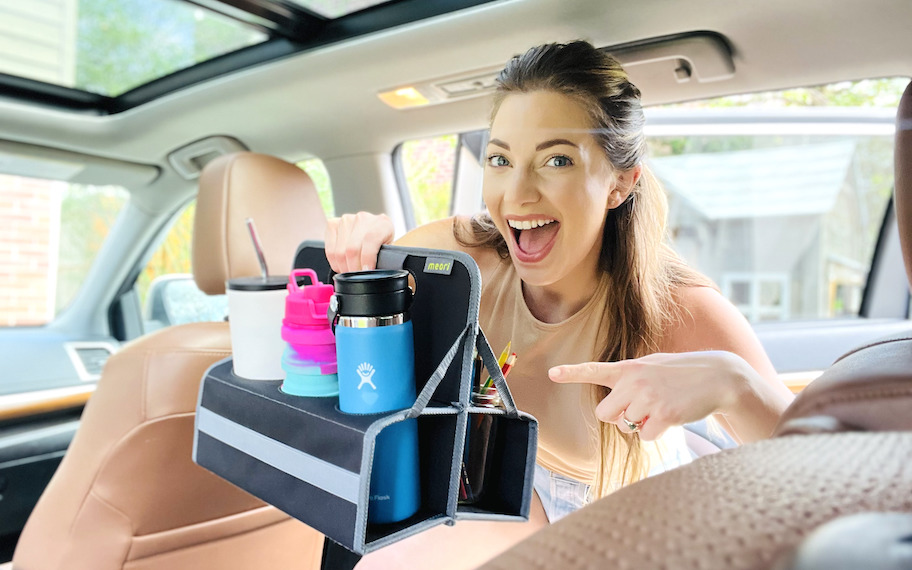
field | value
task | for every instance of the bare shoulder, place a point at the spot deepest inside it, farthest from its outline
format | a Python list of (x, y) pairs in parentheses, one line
[(434, 235), (440, 234), (705, 320)]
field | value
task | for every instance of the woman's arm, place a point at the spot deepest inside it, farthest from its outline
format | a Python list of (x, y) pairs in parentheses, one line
[(756, 398), (710, 363)]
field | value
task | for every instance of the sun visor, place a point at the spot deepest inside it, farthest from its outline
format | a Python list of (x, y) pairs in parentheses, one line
[(35, 161), (683, 60), (701, 57)]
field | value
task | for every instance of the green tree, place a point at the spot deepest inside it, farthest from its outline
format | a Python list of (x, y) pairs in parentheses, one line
[(428, 167), (122, 44), (86, 215), (883, 93)]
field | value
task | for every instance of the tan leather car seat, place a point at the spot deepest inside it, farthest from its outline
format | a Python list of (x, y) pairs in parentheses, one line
[(127, 494), (843, 447)]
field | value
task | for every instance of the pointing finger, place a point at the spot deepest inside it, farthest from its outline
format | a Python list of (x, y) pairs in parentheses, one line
[(601, 373)]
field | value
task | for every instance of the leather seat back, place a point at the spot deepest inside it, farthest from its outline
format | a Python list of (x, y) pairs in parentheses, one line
[(127, 494)]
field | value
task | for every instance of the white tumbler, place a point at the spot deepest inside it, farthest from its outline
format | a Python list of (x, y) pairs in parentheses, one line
[(256, 307)]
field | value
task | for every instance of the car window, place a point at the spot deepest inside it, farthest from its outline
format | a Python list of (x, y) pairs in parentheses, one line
[(427, 168), (315, 168), (785, 224), (166, 289), (777, 197), (167, 292), (50, 232)]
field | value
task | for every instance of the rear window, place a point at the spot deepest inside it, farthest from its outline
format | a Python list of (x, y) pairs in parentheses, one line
[(778, 197)]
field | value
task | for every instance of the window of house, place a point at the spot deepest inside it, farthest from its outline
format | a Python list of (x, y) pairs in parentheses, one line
[(50, 232)]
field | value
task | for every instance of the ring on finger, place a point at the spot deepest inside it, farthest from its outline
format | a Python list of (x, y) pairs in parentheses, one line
[(632, 426)]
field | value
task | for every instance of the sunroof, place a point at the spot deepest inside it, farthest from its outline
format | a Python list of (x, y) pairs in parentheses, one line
[(337, 8), (108, 56), (111, 46)]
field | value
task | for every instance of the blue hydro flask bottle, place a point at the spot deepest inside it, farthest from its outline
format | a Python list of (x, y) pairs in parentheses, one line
[(376, 367)]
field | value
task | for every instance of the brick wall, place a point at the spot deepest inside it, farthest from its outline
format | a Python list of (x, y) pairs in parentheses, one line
[(29, 228)]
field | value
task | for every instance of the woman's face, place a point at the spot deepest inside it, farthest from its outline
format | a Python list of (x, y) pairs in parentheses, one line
[(548, 186)]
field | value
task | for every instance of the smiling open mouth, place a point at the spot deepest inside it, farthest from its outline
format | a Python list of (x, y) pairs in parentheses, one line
[(534, 238)]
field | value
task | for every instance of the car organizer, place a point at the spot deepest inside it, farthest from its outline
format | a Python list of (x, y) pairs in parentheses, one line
[(309, 459)]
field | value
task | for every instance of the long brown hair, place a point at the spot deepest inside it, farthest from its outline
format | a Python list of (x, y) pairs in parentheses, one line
[(641, 268)]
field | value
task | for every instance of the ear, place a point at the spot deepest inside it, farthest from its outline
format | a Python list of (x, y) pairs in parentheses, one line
[(624, 183)]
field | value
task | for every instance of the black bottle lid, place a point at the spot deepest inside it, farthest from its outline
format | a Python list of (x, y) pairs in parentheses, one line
[(377, 293)]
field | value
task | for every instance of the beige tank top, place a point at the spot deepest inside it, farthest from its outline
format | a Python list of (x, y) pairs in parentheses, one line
[(568, 429)]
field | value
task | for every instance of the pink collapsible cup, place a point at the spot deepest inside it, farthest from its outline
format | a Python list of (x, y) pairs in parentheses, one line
[(310, 359)]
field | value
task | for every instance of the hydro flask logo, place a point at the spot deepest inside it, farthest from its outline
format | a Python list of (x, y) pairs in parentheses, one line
[(366, 372)]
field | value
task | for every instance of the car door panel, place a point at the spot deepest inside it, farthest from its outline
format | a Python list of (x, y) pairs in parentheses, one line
[(47, 378), (30, 452)]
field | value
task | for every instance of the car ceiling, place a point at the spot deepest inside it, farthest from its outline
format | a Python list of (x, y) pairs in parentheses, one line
[(324, 102)]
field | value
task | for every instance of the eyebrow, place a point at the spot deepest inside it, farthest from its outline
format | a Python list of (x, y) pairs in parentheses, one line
[(540, 146), (499, 143), (555, 142)]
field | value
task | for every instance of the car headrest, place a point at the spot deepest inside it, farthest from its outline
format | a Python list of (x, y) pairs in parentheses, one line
[(902, 195), (868, 389), (281, 199)]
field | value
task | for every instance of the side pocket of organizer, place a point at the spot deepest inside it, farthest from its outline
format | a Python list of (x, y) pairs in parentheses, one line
[(508, 440)]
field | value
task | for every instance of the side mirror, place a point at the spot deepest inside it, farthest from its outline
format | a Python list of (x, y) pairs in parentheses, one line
[(175, 299)]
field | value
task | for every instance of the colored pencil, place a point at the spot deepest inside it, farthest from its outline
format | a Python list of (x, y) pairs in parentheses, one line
[(500, 364), (504, 355), (508, 365)]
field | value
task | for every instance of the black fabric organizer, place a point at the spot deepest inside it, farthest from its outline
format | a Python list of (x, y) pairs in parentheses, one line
[(314, 462)]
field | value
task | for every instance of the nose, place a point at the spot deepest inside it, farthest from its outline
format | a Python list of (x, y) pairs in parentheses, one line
[(522, 188)]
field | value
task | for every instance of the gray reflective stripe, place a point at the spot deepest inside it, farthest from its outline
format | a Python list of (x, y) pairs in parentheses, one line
[(331, 478)]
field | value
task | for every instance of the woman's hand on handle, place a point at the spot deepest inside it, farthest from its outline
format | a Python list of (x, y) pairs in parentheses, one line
[(659, 391), (353, 241)]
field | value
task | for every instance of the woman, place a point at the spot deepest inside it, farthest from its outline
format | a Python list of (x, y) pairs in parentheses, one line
[(577, 275)]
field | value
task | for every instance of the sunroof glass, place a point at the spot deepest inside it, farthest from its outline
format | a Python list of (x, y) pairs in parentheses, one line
[(111, 46), (337, 8)]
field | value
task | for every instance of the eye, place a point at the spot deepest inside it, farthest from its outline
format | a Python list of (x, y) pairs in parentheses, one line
[(498, 160), (559, 161)]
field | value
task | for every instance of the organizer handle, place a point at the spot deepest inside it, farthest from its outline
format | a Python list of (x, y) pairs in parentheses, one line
[(490, 362), (388, 259)]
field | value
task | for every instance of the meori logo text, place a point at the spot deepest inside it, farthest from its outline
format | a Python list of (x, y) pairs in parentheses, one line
[(440, 265)]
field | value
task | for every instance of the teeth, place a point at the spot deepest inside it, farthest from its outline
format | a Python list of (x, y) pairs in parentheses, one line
[(529, 224)]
